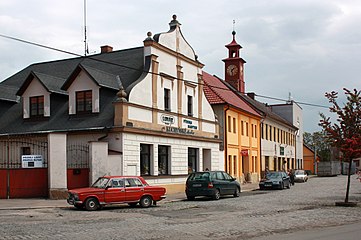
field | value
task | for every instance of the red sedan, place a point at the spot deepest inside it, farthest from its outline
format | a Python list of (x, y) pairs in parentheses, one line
[(114, 190)]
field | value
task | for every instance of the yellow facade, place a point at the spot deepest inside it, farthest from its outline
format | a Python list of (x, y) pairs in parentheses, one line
[(242, 145)]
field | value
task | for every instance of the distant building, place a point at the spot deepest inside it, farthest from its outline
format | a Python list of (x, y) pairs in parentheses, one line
[(310, 162)]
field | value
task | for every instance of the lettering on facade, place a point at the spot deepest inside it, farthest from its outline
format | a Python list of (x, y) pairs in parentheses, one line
[(179, 130)]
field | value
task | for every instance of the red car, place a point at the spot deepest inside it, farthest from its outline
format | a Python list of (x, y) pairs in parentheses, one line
[(114, 190)]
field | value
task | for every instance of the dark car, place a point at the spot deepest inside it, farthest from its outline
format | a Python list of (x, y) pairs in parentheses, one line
[(115, 190), (211, 184), (275, 180)]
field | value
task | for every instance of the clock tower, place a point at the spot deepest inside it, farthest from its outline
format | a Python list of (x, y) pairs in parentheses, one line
[(234, 65)]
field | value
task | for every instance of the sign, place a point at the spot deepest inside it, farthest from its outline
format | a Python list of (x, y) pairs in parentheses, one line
[(282, 150), (244, 152), (179, 130), (190, 124), (169, 120), (32, 161)]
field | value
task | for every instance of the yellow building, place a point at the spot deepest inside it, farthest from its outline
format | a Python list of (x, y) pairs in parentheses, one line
[(239, 129)]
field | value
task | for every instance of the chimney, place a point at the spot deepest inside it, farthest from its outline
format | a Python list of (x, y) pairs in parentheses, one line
[(251, 95), (106, 49)]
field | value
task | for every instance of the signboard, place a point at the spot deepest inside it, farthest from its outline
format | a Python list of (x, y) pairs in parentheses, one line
[(190, 124), (179, 130), (32, 161), (244, 152), (282, 151), (169, 120)]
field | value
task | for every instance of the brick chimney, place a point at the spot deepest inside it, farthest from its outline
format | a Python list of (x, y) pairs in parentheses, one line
[(106, 49)]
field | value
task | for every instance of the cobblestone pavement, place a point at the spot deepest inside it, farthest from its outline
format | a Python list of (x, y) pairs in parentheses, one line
[(258, 213)]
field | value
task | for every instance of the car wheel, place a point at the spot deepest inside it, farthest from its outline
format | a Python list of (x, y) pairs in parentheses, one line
[(282, 186), (217, 194), (145, 201), (132, 204), (289, 185), (190, 198), (91, 204), (237, 192)]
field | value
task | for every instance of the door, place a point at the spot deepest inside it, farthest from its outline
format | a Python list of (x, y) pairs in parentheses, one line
[(134, 189), (221, 183), (230, 183), (115, 191)]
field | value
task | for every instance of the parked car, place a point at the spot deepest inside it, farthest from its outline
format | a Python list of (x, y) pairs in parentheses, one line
[(301, 176), (211, 184), (114, 190), (275, 180)]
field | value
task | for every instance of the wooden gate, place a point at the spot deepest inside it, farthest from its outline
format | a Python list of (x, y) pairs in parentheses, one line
[(20, 180)]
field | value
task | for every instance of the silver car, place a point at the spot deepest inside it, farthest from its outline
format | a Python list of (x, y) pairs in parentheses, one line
[(301, 176)]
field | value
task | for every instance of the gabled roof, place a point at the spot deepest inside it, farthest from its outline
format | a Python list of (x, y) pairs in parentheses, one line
[(217, 92), (50, 83)]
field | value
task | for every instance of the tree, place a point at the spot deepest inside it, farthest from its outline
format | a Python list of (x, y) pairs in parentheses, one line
[(317, 141), (345, 134)]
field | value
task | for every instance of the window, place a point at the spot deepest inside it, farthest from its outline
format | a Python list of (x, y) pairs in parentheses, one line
[(229, 124), (247, 129), (234, 125), (167, 99), (242, 128), (144, 159), (25, 151), (37, 106), (190, 105), (84, 101), (163, 160), (192, 160), (235, 165), (266, 132)]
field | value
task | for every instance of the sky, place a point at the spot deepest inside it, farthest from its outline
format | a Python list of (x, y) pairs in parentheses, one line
[(301, 48)]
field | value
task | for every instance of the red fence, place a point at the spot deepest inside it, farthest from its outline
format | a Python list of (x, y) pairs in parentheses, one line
[(24, 183)]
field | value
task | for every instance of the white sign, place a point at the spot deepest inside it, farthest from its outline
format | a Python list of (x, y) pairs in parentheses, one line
[(32, 161)]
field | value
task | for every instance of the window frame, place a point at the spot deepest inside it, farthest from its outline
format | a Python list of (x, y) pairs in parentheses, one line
[(167, 102), (39, 106), (190, 105), (161, 157), (84, 100)]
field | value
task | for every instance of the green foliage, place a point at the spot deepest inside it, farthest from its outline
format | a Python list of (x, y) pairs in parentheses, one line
[(318, 142)]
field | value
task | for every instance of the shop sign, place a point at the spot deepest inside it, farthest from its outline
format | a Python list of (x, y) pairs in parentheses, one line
[(190, 124), (282, 151), (32, 161), (169, 120), (244, 152)]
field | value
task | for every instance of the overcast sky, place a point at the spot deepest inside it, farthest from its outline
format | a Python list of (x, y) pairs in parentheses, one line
[(303, 47)]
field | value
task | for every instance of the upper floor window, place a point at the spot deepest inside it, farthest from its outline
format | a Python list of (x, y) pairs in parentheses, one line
[(37, 106), (190, 105), (84, 101), (167, 99)]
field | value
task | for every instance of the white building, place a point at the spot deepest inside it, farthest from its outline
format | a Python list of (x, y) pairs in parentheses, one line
[(139, 111)]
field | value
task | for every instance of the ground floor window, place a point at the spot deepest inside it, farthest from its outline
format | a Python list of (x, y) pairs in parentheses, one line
[(192, 160), (144, 159), (163, 160)]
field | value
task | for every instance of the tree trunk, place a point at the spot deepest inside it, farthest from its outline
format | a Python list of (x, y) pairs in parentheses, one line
[(348, 180)]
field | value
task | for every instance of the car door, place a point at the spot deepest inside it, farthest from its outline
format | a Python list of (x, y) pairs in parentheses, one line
[(134, 189), (115, 191), (221, 183), (230, 184)]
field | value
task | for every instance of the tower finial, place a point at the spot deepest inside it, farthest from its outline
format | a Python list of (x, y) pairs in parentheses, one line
[(234, 32)]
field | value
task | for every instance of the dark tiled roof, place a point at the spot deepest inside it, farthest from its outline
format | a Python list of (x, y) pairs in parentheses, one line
[(103, 68), (218, 93), (8, 93)]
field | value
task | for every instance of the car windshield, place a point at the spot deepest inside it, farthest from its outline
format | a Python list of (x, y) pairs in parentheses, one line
[(272, 175), (201, 176), (101, 183), (300, 172)]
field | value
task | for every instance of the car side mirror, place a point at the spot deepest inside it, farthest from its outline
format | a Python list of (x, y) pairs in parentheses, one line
[(233, 179)]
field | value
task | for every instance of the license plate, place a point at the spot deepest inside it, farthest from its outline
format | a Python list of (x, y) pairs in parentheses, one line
[(197, 185), (268, 184)]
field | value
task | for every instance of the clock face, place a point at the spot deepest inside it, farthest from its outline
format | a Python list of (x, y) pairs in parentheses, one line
[(232, 70)]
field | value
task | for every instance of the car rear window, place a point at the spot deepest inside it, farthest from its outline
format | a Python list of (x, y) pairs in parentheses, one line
[(202, 176)]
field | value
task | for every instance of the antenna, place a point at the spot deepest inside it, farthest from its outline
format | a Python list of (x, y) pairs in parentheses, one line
[(234, 22), (86, 50)]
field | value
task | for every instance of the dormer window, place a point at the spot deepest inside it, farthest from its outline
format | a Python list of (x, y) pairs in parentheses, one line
[(84, 101), (37, 106)]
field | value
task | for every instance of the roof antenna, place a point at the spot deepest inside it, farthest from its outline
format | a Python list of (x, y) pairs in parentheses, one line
[(86, 49)]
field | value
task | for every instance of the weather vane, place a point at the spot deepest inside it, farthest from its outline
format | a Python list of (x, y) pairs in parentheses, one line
[(234, 22)]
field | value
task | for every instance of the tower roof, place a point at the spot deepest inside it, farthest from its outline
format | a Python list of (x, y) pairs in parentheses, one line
[(234, 42)]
